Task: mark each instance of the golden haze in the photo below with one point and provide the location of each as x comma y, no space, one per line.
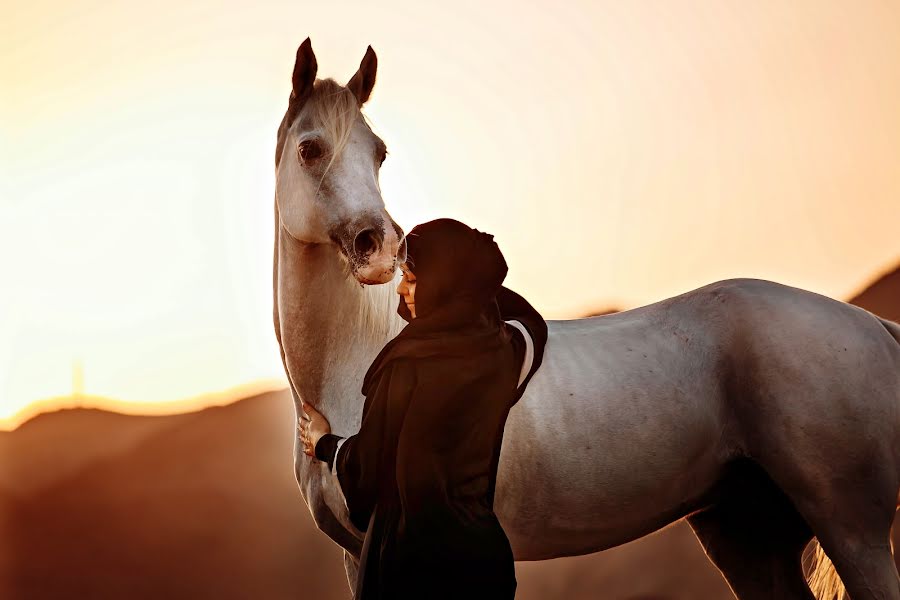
620,153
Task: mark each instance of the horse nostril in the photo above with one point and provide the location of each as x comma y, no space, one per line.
365,242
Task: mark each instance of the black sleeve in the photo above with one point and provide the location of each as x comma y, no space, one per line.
512,304
326,447
515,307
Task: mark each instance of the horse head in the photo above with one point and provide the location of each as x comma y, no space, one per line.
327,163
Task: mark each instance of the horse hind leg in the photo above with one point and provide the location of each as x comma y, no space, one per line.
849,498
755,536
855,535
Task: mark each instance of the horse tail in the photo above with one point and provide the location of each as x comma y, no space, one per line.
823,578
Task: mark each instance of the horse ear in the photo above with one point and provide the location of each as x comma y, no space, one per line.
305,68
363,81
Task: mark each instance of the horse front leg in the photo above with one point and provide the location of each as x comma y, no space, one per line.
321,492
351,566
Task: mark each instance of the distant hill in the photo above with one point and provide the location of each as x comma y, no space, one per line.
201,505
882,297
204,505
600,312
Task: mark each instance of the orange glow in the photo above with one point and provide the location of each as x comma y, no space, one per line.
619,152
169,407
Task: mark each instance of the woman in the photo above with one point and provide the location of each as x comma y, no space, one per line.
419,476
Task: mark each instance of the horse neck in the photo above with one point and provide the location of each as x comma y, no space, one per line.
331,328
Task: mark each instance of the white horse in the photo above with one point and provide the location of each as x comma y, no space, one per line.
763,413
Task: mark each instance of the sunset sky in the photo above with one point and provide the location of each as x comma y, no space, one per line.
620,153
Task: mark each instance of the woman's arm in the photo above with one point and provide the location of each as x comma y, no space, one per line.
359,461
327,447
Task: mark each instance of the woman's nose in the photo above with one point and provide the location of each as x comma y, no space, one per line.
400,287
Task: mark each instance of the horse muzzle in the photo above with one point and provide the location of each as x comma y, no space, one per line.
373,248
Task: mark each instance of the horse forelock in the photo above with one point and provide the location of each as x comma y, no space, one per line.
330,108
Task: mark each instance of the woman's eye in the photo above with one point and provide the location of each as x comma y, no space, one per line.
309,151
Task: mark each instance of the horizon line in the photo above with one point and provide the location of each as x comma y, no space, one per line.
184,405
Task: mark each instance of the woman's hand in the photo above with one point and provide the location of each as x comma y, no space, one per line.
312,425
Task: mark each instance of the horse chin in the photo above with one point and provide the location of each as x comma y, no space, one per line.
375,274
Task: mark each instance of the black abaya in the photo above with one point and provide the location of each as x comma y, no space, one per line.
419,476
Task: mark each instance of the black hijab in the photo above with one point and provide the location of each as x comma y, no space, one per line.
459,271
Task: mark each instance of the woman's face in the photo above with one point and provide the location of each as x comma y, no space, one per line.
407,289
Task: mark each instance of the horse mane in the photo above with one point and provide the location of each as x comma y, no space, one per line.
377,317
335,109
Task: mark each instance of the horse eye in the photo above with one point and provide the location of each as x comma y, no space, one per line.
309,151
384,154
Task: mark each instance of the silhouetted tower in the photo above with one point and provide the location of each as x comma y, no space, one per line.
77,379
